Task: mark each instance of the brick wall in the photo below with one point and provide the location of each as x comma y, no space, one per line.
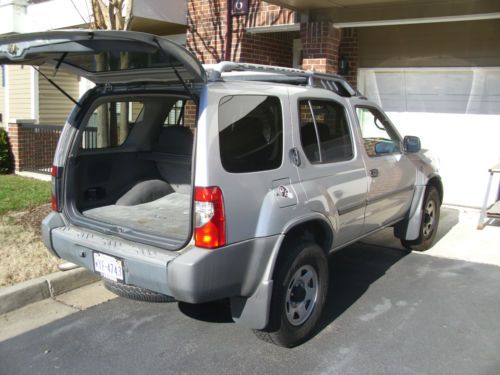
320,46
190,114
349,48
206,35
33,146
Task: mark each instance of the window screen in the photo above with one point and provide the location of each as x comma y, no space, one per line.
324,131
250,133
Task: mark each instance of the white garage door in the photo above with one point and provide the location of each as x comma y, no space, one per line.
455,112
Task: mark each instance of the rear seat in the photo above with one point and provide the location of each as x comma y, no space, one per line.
172,155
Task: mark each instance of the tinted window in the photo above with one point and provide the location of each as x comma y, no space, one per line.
324,131
250,133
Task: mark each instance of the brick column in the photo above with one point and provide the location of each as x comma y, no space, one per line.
320,46
349,50
14,130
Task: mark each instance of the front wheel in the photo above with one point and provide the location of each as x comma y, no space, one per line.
299,293
429,223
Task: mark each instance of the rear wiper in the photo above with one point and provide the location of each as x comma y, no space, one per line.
56,85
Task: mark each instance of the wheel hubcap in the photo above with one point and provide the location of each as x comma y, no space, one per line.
429,218
301,295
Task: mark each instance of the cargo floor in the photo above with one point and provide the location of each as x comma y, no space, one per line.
168,216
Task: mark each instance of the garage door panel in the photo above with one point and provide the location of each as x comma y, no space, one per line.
473,92
455,111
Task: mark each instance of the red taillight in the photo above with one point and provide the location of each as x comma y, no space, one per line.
54,203
210,222
56,180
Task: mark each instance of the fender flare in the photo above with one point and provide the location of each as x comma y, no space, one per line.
253,311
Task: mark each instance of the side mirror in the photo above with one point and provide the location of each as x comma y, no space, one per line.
411,143
385,147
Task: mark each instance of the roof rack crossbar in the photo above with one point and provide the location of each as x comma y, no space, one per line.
332,82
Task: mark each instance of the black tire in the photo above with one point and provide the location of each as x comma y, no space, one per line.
429,223
136,293
301,263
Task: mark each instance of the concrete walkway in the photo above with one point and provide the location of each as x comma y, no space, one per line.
457,237
41,313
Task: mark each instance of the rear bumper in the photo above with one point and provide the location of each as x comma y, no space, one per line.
192,275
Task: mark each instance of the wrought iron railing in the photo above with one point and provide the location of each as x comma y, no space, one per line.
40,142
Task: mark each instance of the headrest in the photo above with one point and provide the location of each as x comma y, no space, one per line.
175,140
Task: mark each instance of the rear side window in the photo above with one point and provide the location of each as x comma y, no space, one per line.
324,131
110,124
250,133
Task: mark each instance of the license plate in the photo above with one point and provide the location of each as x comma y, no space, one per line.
108,267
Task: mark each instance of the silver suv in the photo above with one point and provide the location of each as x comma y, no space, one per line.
231,182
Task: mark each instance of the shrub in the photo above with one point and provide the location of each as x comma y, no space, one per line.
5,153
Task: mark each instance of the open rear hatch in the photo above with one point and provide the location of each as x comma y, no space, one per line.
138,186
104,56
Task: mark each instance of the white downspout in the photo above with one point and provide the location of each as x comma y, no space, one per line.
6,118
35,96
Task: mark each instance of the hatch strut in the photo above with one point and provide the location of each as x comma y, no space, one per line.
57,87
193,97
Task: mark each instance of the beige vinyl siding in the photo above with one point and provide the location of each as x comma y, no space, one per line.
451,44
136,110
53,106
20,92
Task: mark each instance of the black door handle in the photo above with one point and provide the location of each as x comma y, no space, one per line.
374,172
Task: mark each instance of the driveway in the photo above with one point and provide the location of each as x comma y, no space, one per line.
388,312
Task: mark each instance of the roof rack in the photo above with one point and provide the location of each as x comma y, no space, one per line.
278,74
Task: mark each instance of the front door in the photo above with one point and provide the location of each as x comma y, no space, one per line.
391,174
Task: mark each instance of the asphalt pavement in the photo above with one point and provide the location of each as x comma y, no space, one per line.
388,312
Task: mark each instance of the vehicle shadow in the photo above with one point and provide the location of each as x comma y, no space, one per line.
449,217
352,271
211,312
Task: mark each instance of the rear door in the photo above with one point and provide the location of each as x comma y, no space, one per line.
331,171
104,56
391,174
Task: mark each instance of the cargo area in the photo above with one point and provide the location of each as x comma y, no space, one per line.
132,167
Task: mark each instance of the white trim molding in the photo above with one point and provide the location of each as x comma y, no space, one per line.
423,20
273,29
35,96
6,99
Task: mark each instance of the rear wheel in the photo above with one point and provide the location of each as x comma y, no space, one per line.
299,293
429,224
136,293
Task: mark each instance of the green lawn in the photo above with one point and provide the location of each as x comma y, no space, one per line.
17,193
